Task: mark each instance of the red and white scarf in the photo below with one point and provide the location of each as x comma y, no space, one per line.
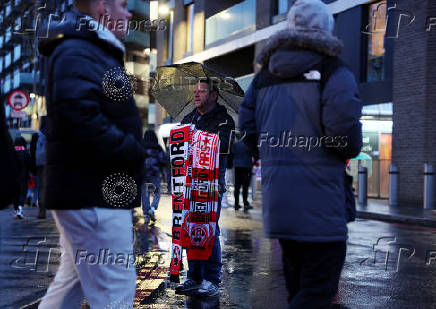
194,156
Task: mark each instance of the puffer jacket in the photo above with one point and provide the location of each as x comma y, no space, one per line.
94,135
286,111
155,160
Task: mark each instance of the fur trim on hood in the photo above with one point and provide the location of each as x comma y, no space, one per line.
314,40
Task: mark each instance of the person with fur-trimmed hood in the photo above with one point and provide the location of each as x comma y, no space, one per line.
302,112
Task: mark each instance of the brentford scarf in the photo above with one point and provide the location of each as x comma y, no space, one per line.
194,156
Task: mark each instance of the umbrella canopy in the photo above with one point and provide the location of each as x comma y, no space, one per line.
173,88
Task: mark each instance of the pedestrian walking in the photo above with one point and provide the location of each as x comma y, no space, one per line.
155,160
243,162
228,179
33,192
204,277
9,165
302,111
39,164
94,156
24,158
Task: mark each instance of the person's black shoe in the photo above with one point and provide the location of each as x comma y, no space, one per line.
188,287
248,207
41,214
237,207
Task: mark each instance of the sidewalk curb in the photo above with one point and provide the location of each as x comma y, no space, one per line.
409,220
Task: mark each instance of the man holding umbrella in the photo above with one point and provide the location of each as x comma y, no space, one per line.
204,276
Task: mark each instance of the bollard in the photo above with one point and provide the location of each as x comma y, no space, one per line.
428,187
393,185
363,185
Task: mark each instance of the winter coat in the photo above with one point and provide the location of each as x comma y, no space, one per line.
155,159
285,112
241,155
25,162
40,150
93,132
216,121
9,165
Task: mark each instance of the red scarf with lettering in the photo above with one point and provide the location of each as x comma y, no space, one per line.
194,156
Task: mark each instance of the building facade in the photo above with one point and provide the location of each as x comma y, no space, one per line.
22,68
388,46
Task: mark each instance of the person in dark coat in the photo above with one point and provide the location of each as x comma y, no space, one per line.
204,276
243,163
40,163
9,165
33,192
155,159
23,156
94,155
304,118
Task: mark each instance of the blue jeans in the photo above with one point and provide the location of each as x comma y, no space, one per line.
146,190
210,269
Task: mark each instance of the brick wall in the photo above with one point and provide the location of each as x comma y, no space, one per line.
414,114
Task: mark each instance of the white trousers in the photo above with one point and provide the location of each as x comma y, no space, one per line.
96,261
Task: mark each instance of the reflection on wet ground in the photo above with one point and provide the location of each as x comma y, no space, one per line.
377,272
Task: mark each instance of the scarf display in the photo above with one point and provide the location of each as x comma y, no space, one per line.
194,156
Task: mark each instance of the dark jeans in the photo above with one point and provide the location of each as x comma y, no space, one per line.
20,199
312,272
210,269
242,178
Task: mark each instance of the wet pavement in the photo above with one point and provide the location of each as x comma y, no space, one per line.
388,265
381,210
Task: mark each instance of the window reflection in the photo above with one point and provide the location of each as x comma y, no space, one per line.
376,41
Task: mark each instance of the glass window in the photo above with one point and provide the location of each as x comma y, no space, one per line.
189,15
16,79
7,84
377,23
8,9
8,60
281,7
228,22
17,52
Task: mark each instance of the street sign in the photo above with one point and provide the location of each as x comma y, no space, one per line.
17,114
18,100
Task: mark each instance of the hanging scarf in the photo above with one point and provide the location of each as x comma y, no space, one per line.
194,159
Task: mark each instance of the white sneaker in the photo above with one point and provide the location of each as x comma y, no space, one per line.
19,212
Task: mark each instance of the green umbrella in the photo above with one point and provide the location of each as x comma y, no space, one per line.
173,88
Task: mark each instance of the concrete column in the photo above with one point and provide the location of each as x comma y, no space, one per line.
179,41
199,25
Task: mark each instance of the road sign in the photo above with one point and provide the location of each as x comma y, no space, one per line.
18,100
17,114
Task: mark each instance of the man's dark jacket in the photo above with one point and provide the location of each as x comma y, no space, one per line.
91,136
216,121
10,168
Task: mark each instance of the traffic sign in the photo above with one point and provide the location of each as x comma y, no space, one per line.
18,100
17,114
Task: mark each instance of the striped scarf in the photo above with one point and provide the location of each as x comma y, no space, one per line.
194,156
